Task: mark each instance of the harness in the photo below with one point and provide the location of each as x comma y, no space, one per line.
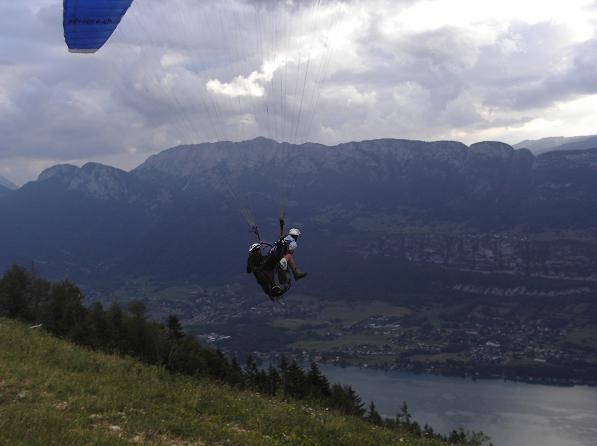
280,249
266,265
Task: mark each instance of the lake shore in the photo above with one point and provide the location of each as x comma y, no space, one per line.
511,413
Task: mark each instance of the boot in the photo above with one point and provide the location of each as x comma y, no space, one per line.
298,275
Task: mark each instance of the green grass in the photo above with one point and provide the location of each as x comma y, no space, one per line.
350,340
351,312
154,291
391,224
585,336
333,317
55,393
295,324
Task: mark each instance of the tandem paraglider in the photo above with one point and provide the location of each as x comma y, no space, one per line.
284,61
273,264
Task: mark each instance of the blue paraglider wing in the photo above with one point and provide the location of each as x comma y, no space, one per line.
88,24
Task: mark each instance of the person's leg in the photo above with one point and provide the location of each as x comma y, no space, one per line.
292,265
290,261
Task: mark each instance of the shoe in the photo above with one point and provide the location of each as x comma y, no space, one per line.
299,275
276,290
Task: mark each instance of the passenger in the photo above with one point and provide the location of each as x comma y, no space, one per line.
291,242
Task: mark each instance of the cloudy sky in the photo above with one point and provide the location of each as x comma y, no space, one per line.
184,71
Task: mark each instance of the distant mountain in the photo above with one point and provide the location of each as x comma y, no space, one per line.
551,144
7,183
437,179
4,190
377,216
95,181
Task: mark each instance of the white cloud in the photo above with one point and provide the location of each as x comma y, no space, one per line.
252,85
170,60
184,71
412,95
349,96
474,15
5,102
568,118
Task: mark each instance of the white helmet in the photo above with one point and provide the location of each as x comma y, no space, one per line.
294,231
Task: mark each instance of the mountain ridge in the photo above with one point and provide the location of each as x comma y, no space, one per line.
558,143
428,203
6,183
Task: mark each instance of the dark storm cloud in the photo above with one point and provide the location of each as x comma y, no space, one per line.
526,67
295,4
577,78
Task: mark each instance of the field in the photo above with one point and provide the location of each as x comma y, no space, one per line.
54,393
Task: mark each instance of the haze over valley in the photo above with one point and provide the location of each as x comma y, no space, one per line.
443,257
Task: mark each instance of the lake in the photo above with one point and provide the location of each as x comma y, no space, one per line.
512,413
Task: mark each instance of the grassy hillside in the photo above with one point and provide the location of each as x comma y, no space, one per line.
55,393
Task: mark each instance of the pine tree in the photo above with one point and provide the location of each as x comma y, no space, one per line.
274,380
261,382
187,357
373,415
67,311
355,401
99,330
318,384
40,295
235,375
428,431
404,417
137,333
345,399
283,368
250,372
15,294
283,365
174,328
295,383
137,308
116,324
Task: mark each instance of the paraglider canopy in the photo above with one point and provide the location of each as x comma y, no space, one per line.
88,24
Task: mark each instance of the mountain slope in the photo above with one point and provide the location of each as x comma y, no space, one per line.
4,190
556,143
5,182
371,209
54,393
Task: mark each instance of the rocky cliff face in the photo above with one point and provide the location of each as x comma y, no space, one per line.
426,178
95,181
551,257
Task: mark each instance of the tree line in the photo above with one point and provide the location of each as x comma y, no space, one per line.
59,308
